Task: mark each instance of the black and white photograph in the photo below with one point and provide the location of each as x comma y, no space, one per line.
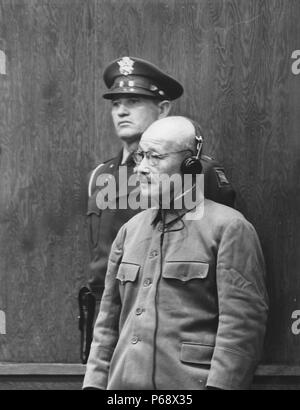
149,197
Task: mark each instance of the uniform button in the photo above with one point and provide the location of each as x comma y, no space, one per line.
147,282
139,311
153,254
134,340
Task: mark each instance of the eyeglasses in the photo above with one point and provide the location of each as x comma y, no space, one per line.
152,157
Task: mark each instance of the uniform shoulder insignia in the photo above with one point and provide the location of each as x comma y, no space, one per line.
216,185
207,158
222,179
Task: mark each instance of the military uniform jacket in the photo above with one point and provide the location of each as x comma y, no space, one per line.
103,225
184,307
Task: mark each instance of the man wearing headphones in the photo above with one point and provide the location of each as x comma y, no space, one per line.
185,302
140,93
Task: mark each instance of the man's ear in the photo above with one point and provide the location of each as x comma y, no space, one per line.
164,108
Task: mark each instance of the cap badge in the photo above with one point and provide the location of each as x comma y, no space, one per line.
126,66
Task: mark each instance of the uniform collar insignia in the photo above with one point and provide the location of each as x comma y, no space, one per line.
126,66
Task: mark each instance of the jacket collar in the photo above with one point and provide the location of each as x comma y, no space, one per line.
171,215
129,162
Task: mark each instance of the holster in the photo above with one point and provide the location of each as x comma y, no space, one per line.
87,304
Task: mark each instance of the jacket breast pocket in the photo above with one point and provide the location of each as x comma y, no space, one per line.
128,273
185,271
93,222
196,353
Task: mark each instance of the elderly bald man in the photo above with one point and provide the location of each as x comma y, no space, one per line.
185,303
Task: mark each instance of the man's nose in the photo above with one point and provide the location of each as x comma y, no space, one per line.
143,167
122,110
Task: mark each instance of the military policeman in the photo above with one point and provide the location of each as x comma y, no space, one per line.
140,93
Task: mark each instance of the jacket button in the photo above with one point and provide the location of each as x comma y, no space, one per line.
134,340
139,311
153,254
147,282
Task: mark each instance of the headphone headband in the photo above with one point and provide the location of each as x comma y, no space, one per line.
199,140
192,165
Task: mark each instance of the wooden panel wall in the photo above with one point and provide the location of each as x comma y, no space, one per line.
234,59
46,127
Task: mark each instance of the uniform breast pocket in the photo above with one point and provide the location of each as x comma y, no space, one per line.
93,222
185,271
128,273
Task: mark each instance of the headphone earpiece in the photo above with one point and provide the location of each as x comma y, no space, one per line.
192,165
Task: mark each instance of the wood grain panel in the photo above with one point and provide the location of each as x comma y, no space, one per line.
234,60
57,376
41,383
49,118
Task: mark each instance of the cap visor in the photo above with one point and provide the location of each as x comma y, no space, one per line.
132,91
